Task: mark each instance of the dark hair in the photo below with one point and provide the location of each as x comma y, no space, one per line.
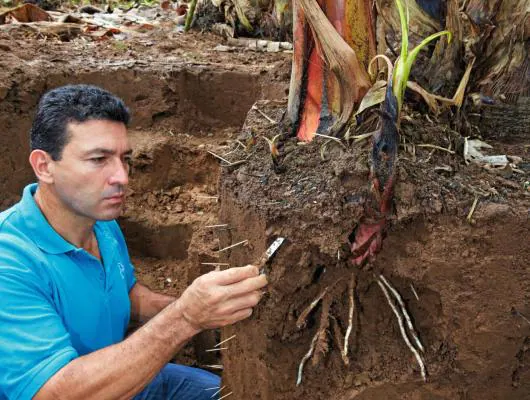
71,103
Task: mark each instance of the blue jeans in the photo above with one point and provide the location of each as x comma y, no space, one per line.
183,383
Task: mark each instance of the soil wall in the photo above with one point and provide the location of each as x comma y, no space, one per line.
194,99
471,279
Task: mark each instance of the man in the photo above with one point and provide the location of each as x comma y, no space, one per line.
67,286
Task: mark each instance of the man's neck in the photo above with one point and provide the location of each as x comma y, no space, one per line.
74,228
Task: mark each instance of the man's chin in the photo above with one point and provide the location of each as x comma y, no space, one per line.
109,215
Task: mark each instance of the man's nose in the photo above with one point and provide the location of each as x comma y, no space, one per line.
120,174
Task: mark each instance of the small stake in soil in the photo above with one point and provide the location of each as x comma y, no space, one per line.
216,349
219,157
232,246
224,341
470,215
255,108
234,164
433,146
216,226
214,366
218,391
226,162
216,264
216,198
225,396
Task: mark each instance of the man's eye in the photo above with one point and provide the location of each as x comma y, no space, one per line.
97,160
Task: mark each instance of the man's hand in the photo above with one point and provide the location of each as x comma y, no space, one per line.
222,298
212,300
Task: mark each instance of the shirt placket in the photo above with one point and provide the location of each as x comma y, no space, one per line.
93,267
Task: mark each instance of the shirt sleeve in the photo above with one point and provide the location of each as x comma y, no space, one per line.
34,343
129,268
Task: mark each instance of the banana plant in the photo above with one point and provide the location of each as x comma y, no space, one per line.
333,42
405,60
372,228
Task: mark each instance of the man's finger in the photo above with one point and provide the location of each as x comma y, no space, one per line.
238,316
248,300
234,275
247,285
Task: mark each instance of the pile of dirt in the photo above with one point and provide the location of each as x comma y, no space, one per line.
465,283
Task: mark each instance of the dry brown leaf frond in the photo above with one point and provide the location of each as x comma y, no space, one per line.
25,13
297,66
500,44
45,29
458,98
432,100
429,98
341,59
389,65
374,96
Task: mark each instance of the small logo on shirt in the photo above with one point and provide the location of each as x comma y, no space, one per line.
122,270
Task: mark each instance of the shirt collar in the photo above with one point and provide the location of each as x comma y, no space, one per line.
39,228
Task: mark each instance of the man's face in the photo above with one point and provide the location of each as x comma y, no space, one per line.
92,175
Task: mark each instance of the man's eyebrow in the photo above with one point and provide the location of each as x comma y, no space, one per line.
102,150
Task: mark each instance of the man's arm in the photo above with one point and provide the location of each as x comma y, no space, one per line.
123,370
145,304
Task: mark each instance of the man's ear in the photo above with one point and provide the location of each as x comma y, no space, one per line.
42,165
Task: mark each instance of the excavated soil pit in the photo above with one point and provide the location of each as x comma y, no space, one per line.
179,111
471,279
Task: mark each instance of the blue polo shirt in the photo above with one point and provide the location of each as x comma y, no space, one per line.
57,302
